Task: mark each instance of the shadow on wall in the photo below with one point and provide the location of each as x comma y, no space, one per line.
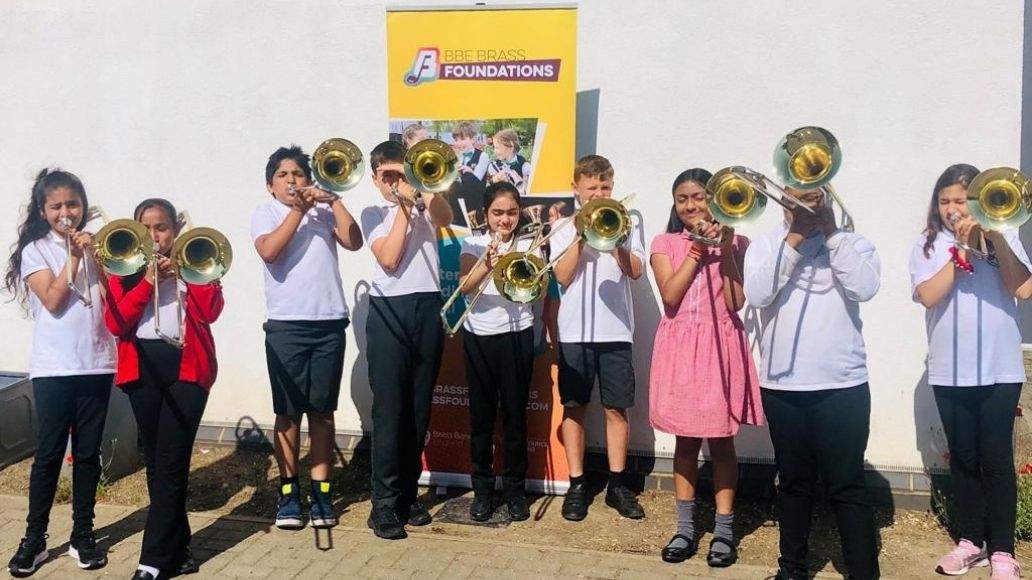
587,123
361,394
1025,306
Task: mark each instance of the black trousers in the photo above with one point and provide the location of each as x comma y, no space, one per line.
78,403
823,434
167,412
979,426
405,341
498,369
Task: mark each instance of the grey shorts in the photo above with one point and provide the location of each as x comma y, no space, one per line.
581,363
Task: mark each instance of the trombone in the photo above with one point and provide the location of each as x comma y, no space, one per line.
999,199
806,158
66,223
199,256
516,275
337,166
431,166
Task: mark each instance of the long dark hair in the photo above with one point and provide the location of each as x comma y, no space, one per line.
36,226
958,174
696,174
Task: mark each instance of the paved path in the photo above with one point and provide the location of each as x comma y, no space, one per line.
236,547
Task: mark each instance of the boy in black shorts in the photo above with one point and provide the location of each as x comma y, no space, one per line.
596,327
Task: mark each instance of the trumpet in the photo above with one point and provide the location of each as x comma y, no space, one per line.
66,223
199,256
516,275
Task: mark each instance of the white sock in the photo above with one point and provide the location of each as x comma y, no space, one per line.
150,569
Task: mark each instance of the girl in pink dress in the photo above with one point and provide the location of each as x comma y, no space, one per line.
703,383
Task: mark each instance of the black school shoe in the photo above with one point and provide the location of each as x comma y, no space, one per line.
85,552
385,524
188,565
575,504
624,501
722,559
675,555
517,506
32,552
417,515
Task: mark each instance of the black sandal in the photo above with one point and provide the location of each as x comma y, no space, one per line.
721,559
676,555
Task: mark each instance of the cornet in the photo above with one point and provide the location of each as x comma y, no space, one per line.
66,223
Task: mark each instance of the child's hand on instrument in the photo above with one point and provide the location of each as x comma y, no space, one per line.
82,243
165,269
967,231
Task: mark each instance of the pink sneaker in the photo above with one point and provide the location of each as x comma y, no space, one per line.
1005,567
963,558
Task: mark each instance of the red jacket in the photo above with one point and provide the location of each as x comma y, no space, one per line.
123,310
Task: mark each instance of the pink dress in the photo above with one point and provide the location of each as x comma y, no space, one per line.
703,381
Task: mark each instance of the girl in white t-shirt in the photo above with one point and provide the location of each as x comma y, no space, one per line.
498,338
974,366
72,363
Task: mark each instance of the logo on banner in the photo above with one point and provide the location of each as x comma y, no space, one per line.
428,67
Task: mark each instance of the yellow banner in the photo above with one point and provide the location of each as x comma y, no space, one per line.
499,86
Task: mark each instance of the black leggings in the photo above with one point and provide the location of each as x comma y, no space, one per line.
823,435
498,369
78,403
168,412
979,425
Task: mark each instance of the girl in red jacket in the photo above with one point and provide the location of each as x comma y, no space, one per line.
167,385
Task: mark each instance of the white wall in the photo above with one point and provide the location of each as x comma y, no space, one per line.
187,99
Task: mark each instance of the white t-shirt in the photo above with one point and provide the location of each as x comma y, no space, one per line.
169,317
304,281
809,302
74,341
418,270
597,306
493,314
973,335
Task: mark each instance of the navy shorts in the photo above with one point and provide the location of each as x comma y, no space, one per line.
611,363
306,362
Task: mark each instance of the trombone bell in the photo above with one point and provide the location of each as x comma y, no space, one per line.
807,158
337,165
517,277
732,199
604,223
124,247
431,166
202,255
1000,198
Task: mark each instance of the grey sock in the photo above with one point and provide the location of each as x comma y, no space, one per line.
685,522
722,524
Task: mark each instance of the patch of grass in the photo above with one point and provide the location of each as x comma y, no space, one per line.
1023,524
64,490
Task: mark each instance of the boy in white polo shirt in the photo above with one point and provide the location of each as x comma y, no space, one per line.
405,337
596,328
296,234
808,278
